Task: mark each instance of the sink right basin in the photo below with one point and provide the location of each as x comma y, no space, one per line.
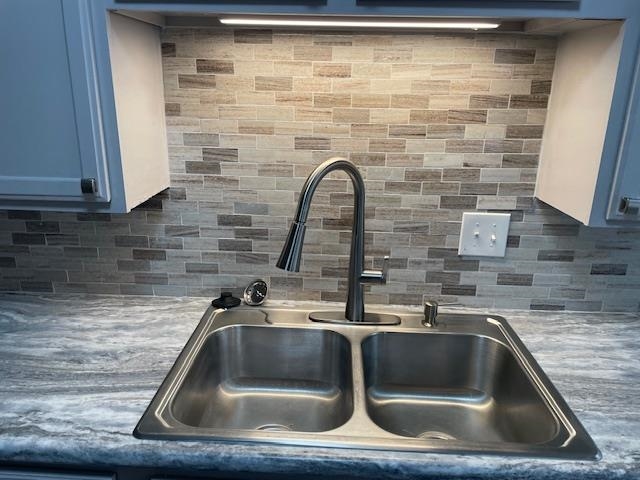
448,387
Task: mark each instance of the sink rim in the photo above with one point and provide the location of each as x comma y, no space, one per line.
157,421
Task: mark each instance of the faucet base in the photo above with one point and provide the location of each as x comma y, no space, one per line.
369,318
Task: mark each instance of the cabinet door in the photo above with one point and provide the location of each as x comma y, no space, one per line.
624,203
50,131
9,474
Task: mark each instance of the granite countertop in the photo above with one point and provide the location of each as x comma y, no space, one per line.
77,372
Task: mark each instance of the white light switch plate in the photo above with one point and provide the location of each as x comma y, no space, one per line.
484,234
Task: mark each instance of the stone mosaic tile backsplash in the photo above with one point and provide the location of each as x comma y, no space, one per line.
437,124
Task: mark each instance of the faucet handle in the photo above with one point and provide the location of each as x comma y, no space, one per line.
377,276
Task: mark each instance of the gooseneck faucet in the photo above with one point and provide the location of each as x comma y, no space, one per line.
292,251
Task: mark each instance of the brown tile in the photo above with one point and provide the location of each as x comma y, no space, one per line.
214,66
331,100
503,146
201,139
220,154
461,202
268,83
409,101
428,116
203,168
312,143
368,159
541,87
489,101
253,36
294,98
370,100
423,175
409,188
369,130
520,161
407,131
464,146
387,145
524,131
467,116
516,189
461,175
529,101
515,56
168,49
333,70
196,81
255,127
172,109
445,131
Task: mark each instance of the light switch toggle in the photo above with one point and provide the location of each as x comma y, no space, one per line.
484,234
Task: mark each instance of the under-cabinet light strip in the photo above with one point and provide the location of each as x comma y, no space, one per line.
280,22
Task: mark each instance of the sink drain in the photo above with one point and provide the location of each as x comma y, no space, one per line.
273,427
435,435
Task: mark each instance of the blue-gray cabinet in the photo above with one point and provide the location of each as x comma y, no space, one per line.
63,144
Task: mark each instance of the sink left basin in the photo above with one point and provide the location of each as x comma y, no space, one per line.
270,379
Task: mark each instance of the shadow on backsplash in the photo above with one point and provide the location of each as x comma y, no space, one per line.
437,124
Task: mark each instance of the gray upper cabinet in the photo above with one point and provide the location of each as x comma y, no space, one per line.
61,147
46,126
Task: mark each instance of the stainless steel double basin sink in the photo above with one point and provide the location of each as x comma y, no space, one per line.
467,385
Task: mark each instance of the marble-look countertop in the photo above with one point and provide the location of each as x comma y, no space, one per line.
77,372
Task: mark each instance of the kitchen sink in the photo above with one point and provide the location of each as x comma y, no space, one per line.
465,385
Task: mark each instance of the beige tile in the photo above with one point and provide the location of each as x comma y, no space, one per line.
485,131
510,87
237,141
410,70
448,101
451,71
395,85
196,81
474,55
537,116
392,55
350,144
316,85
482,160
332,130
313,53
216,97
433,55
274,141
389,115
433,87
255,98
275,113
237,112
293,68
293,128
350,85
352,54
507,117
425,146
273,52
371,70
461,87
